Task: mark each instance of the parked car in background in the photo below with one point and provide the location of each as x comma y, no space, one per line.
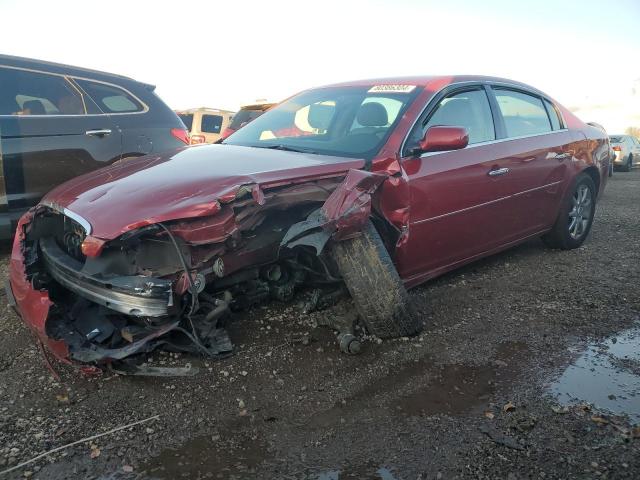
58,122
375,185
205,125
246,114
627,151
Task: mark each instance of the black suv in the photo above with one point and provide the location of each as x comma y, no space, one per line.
57,122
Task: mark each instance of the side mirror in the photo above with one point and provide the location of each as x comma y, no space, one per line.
443,138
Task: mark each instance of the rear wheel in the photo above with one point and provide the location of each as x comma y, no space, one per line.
576,216
375,286
629,165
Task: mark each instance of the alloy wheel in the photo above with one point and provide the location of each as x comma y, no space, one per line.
580,213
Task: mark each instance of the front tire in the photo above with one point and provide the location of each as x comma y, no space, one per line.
576,216
375,286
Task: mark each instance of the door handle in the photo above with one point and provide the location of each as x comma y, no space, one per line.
497,172
98,133
562,156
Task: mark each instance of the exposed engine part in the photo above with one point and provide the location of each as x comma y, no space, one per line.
349,343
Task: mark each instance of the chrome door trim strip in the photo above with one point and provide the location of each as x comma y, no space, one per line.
524,192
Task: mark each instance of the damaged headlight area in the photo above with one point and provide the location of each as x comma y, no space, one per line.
173,284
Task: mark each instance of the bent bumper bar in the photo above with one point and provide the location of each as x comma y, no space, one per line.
132,295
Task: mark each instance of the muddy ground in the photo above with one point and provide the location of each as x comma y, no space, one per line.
469,398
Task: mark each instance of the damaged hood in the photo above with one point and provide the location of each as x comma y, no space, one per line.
186,183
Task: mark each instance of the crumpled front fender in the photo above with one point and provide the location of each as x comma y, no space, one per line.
343,215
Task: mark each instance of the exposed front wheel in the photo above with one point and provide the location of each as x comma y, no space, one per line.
576,216
375,286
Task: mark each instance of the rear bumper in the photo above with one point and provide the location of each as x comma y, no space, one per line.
132,295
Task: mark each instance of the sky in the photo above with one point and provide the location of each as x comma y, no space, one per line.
221,54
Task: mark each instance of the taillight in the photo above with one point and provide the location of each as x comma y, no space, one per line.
227,131
181,134
617,149
195,139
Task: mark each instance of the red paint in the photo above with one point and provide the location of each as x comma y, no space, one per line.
186,183
32,305
445,208
348,207
442,139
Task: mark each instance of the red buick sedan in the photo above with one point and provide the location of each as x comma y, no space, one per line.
375,185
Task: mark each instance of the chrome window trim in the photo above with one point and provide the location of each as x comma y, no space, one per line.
482,83
500,140
68,79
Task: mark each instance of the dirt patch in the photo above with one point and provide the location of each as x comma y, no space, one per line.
468,398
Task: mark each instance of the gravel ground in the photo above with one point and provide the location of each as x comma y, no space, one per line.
469,398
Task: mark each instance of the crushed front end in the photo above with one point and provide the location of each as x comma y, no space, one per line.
171,284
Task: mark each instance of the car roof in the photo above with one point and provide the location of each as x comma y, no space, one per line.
434,81
60,68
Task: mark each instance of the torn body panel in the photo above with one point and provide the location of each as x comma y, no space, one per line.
170,284
342,216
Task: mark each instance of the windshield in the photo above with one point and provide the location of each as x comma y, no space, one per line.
338,121
243,117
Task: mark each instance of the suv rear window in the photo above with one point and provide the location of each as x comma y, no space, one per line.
187,119
211,123
109,98
244,116
616,139
32,93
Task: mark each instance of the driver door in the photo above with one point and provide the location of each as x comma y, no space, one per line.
458,198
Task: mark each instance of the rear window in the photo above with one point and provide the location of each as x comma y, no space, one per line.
244,116
31,93
111,99
616,139
211,123
187,119
523,114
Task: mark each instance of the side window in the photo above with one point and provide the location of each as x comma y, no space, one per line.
523,114
109,98
469,109
211,123
31,93
553,115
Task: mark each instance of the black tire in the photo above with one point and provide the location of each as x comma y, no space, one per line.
375,286
629,165
560,235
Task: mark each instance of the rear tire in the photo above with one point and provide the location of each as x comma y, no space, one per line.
629,165
375,286
575,217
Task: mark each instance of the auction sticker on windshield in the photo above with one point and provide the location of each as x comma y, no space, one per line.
392,88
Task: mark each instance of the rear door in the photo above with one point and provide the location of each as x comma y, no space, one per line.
537,151
51,132
138,127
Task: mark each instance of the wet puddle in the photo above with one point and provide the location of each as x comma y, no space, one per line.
606,375
202,458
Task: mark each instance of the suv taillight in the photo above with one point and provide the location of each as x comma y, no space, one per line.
196,139
617,149
181,134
